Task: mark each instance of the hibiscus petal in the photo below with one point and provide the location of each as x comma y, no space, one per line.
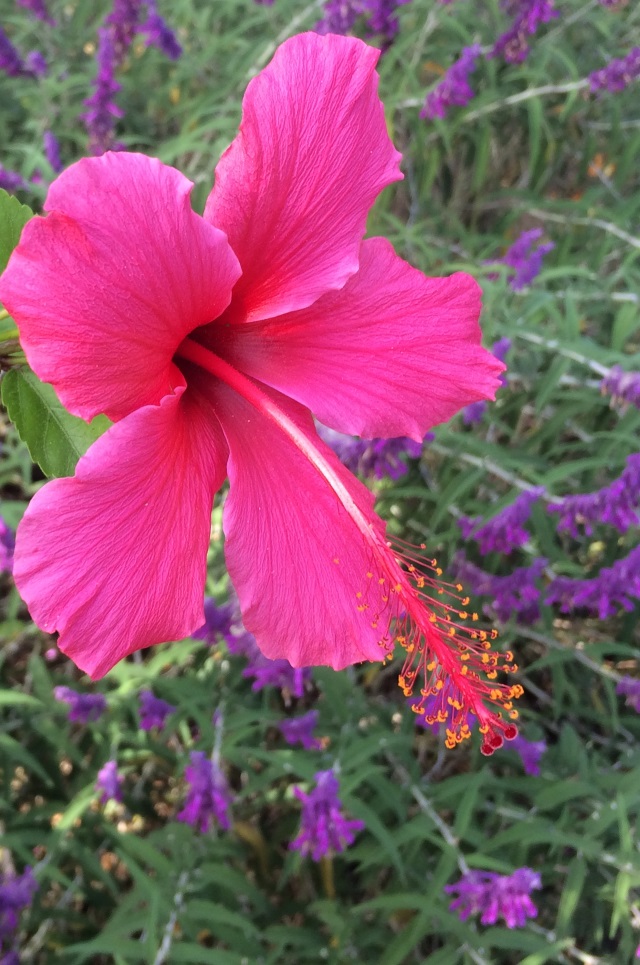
105,288
296,559
293,190
391,354
115,557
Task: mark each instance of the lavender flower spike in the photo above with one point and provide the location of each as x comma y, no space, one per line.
7,540
299,730
528,15
82,707
10,60
453,90
208,799
16,893
505,531
623,387
629,687
159,34
530,753
153,711
614,586
52,151
100,118
525,258
495,896
618,73
617,504
39,10
324,830
515,595
373,458
109,783
474,412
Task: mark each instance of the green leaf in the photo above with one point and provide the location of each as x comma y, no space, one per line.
55,438
13,218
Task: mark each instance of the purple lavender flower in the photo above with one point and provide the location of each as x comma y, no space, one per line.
277,673
208,799
83,708
525,258
618,73
505,531
623,387
7,545
495,896
530,753
109,783
11,180
35,64
10,60
373,458
454,89
159,34
629,687
617,504
474,412
299,730
614,586
528,15
218,622
100,118
513,596
153,711
52,151
16,893
39,10
122,24
323,828
340,16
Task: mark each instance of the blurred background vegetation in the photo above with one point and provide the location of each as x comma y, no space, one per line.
124,882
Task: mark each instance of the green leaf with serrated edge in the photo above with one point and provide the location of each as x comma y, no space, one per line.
13,218
55,438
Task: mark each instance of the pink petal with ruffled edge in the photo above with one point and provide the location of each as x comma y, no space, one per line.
294,555
115,557
391,354
293,190
105,288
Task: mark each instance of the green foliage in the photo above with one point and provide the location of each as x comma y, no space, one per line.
125,882
55,438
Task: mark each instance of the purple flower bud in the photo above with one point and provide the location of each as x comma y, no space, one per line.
153,711
373,458
474,412
10,59
525,258
36,64
159,34
208,798
323,828
16,893
623,387
109,783
495,896
528,15
82,707
505,531
7,539
52,151
618,73
218,622
629,687
530,753
39,10
299,730
454,89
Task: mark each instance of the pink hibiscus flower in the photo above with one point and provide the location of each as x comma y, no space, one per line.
209,341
